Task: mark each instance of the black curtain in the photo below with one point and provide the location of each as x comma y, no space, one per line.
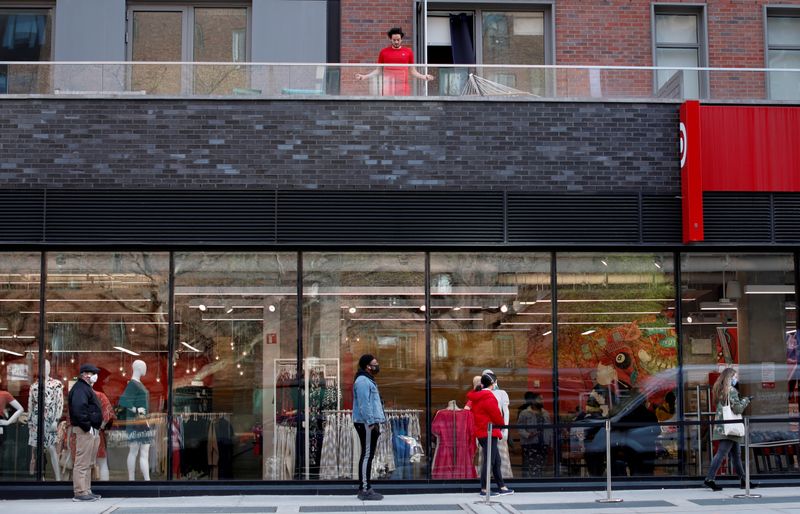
462,39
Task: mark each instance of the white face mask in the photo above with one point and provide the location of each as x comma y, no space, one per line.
93,379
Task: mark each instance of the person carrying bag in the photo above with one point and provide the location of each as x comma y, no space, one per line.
729,435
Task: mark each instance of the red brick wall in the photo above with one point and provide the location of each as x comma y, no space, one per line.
365,22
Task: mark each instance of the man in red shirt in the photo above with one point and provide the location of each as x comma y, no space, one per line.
395,79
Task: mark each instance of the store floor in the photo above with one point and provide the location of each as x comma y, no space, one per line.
774,499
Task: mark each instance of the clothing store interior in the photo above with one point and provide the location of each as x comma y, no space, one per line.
260,365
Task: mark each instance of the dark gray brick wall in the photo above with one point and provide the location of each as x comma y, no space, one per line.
339,144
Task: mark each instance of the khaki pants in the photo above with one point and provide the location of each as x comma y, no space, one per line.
86,446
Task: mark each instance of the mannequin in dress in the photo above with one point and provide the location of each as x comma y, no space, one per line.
53,410
6,401
136,401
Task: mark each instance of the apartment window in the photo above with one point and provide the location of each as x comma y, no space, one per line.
679,43
783,51
188,34
25,35
490,35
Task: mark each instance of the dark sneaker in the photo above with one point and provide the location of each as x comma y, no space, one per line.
753,484
505,492
712,485
483,494
85,498
369,495
95,495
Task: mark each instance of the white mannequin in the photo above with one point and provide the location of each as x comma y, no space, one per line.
143,450
13,419
52,427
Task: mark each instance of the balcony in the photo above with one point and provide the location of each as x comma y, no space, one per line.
257,80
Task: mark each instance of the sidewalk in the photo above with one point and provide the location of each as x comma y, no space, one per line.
774,499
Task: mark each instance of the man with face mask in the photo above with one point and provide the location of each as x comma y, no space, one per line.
367,416
85,416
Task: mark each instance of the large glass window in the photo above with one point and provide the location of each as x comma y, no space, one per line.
111,310
25,35
679,43
356,304
186,34
739,311
489,36
235,389
492,311
19,349
616,349
783,51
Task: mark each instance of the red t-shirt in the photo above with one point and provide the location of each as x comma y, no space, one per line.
395,80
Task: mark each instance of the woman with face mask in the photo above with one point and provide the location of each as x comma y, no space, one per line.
728,445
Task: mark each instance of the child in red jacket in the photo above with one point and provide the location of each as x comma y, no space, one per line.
485,410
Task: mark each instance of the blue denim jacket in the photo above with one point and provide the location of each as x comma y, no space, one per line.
367,405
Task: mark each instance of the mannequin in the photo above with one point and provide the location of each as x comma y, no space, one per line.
53,410
136,401
6,401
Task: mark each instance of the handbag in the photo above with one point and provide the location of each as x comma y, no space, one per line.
731,429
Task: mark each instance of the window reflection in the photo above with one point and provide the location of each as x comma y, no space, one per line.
492,311
19,348
235,366
616,349
110,309
356,304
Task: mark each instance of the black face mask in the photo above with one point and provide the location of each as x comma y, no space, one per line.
375,369
538,405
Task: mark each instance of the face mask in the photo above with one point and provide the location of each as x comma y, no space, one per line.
375,369
93,379
538,405
734,381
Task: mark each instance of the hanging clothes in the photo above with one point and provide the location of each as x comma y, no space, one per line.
455,444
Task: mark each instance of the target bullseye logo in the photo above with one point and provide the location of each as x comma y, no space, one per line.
684,143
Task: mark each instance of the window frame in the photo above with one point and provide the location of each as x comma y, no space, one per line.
187,10
698,10
776,11
478,7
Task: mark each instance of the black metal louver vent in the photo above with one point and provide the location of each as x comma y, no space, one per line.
787,217
661,219
737,217
573,218
389,217
160,216
21,215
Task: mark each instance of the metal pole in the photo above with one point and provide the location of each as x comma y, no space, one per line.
487,485
608,498
699,433
747,493
425,41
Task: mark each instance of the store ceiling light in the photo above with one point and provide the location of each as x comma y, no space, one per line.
202,307
604,262
228,309
125,350
547,333
586,333
192,348
3,350
271,308
769,289
718,306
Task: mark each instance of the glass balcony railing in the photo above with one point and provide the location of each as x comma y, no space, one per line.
360,80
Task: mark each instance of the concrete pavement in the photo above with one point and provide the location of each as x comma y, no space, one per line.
678,501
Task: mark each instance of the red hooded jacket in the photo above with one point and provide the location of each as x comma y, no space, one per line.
485,410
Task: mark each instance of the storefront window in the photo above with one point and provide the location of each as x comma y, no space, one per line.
235,389
492,311
19,348
111,310
739,311
617,352
355,304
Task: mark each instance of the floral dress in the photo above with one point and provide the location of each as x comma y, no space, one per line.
53,410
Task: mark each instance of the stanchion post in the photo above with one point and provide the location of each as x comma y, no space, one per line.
747,493
608,498
487,464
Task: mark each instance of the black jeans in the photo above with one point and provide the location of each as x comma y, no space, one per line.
496,464
369,443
